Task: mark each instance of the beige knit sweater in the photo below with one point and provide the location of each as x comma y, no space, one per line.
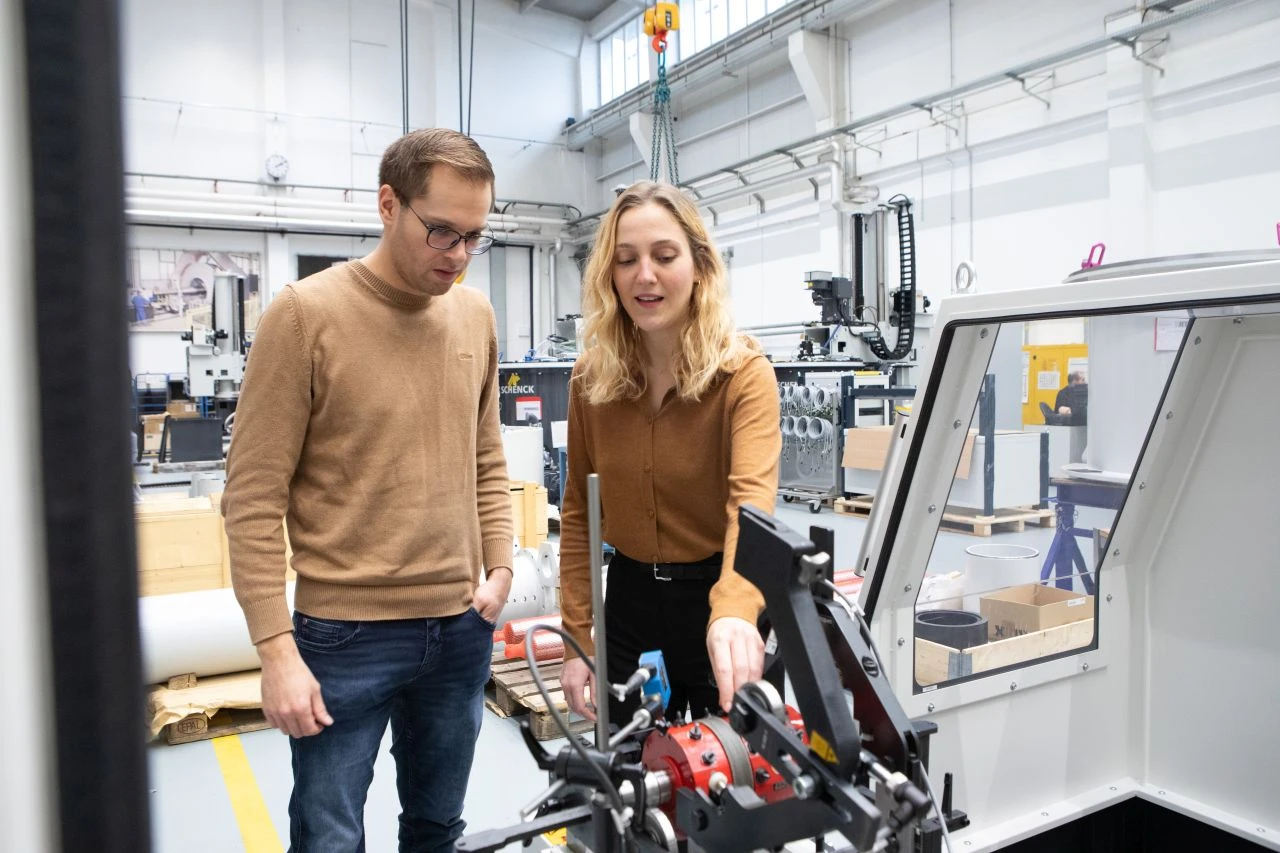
369,419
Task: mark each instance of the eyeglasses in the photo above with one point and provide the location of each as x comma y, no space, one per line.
443,239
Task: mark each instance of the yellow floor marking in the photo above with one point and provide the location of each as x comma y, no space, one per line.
246,800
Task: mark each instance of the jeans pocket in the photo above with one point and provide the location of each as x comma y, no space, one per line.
323,635
491,626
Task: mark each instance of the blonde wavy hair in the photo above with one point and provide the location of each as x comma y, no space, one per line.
612,363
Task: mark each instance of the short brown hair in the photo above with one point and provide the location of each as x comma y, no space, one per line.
406,164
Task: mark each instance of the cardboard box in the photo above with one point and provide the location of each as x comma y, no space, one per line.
183,409
152,430
1032,607
866,448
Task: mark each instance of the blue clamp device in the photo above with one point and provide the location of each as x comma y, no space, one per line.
658,683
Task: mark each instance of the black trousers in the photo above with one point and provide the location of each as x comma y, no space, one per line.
642,614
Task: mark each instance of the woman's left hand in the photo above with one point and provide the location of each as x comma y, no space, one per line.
737,655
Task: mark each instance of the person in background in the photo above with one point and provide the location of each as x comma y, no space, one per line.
678,413
1073,400
141,306
368,419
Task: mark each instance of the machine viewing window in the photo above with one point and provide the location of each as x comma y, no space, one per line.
1061,420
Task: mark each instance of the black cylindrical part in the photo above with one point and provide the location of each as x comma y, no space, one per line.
958,629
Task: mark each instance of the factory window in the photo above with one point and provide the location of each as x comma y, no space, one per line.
1061,421
627,59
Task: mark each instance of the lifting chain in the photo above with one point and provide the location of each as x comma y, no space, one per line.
658,23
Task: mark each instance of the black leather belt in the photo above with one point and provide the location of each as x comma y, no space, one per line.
700,570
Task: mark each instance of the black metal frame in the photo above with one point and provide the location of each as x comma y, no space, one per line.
77,156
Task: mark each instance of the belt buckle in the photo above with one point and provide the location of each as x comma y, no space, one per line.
659,577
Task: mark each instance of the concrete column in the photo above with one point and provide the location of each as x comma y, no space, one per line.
641,125
278,268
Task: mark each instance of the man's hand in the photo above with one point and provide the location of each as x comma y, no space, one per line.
491,596
291,699
575,678
737,655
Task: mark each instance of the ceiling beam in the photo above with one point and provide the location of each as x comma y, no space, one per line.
613,17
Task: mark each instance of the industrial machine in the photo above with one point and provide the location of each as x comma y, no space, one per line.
856,314
1152,729
769,774
815,415
216,355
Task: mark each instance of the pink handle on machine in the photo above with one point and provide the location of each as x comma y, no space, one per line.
1101,249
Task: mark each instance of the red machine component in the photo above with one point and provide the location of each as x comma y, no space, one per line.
695,754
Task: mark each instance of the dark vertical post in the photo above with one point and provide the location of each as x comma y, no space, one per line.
77,156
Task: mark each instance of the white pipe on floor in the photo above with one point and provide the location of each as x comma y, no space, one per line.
196,632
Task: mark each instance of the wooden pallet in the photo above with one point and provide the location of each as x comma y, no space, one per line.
228,721
964,519
213,707
515,693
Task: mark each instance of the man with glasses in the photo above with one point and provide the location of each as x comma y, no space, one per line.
368,421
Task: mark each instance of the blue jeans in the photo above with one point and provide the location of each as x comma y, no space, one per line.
426,677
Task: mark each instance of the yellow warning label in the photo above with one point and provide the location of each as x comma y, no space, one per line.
820,746
556,836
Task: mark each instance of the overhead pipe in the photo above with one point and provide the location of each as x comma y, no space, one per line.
299,210
142,216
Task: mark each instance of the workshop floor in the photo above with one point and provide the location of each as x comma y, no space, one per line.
232,794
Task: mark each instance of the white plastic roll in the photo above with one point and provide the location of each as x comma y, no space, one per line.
196,632
788,425
991,567
806,395
818,428
820,397
523,448
801,426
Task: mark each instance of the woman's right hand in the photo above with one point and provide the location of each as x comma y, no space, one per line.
576,678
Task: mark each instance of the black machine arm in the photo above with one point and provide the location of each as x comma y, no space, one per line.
861,774
783,565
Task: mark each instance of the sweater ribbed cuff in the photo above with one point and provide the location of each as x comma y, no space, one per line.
497,554
267,618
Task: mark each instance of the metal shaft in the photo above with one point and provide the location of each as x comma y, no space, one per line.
600,695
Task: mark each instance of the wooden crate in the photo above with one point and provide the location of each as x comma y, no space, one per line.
529,513
937,663
964,520
515,693
180,546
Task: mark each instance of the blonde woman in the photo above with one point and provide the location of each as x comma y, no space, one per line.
678,414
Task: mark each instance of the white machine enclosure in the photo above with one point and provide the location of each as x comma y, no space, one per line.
1178,700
